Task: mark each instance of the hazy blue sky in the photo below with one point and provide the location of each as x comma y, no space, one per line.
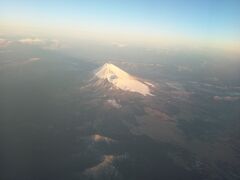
200,19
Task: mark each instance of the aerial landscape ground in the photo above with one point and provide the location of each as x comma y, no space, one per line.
113,91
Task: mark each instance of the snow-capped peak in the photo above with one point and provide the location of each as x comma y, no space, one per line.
122,80
110,72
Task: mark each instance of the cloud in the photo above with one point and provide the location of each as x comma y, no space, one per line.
31,41
49,44
34,59
119,45
103,166
98,138
114,103
226,98
4,43
184,69
52,45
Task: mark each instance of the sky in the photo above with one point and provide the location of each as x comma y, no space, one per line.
215,22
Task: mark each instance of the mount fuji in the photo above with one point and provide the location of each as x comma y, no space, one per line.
113,77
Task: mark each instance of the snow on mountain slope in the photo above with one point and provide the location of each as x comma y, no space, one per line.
122,80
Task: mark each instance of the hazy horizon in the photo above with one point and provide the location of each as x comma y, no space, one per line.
208,25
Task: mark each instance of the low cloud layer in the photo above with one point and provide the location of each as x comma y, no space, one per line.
34,59
98,138
105,167
226,98
31,41
4,43
114,103
49,44
119,45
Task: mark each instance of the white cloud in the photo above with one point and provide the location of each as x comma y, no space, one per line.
120,45
4,43
34,59
184,69
98,138
53,45
31,41
226,98
49,44
114,103
104,167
